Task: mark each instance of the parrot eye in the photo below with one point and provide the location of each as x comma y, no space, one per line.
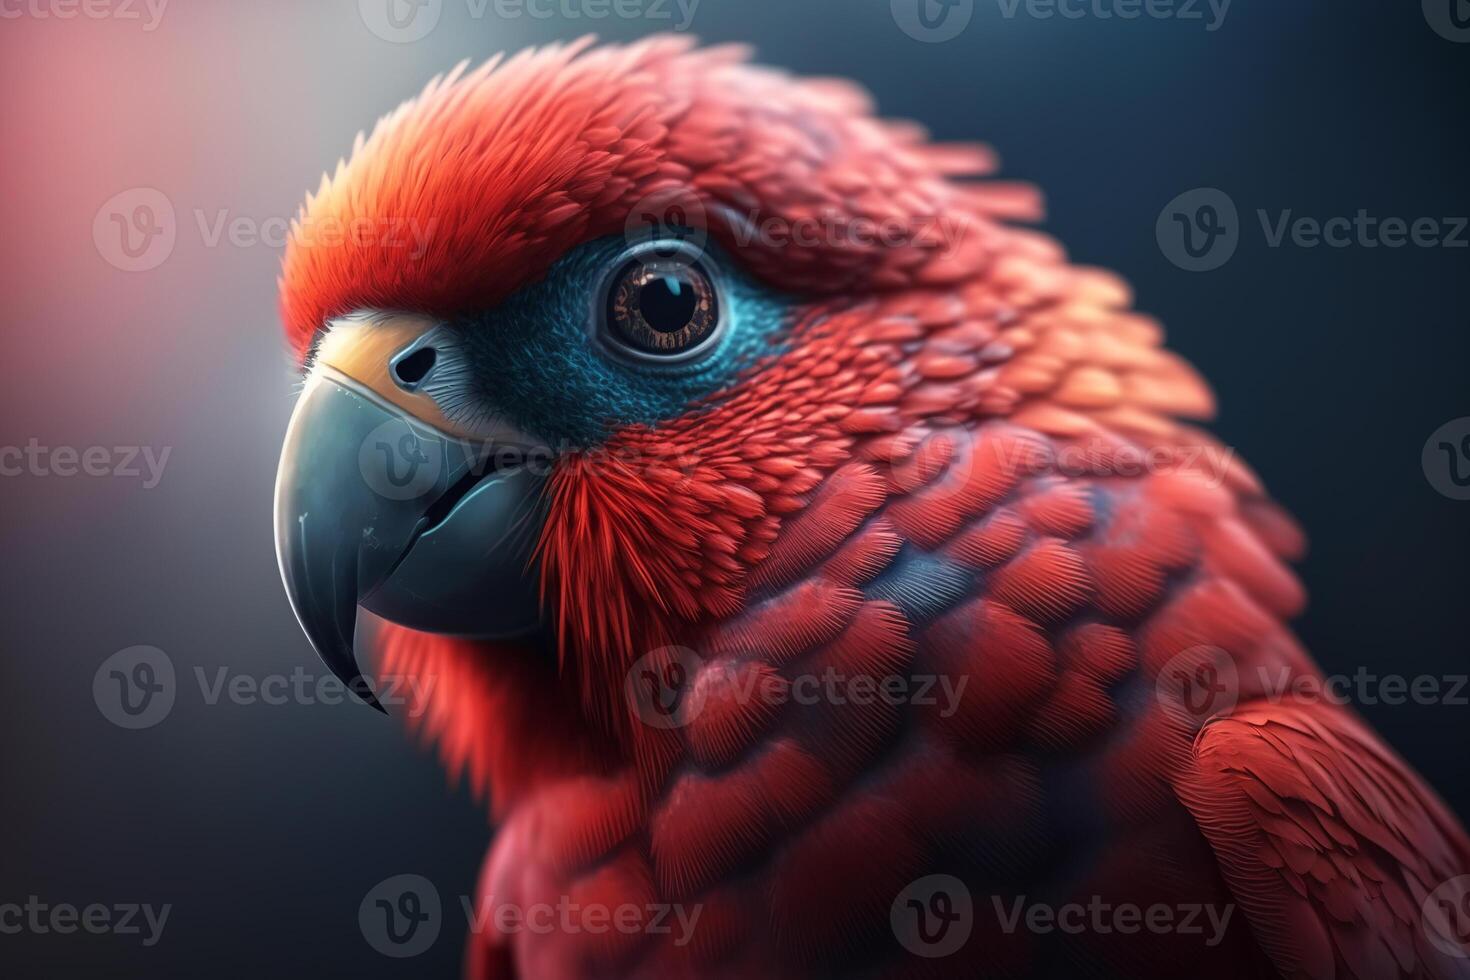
661,304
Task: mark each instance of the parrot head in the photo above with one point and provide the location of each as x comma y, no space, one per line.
604,347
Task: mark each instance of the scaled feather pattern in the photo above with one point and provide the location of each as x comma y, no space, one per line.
935,473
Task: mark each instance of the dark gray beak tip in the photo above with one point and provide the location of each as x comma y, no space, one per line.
372,700
448,556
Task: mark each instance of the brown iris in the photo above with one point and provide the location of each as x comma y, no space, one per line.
662,306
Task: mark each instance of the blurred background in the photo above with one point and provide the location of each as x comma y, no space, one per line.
152,154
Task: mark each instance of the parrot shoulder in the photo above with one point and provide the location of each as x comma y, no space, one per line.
1332,846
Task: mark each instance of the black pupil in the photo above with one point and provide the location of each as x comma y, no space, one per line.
667,303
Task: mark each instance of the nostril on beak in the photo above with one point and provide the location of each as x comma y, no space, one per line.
411,368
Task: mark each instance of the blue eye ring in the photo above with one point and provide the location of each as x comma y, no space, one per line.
619,324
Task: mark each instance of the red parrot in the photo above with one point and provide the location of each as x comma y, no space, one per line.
782,524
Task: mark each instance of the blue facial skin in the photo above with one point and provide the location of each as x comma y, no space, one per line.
542,361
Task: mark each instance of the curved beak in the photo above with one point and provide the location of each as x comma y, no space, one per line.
375,507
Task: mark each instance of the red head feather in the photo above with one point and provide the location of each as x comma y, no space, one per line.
475,188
